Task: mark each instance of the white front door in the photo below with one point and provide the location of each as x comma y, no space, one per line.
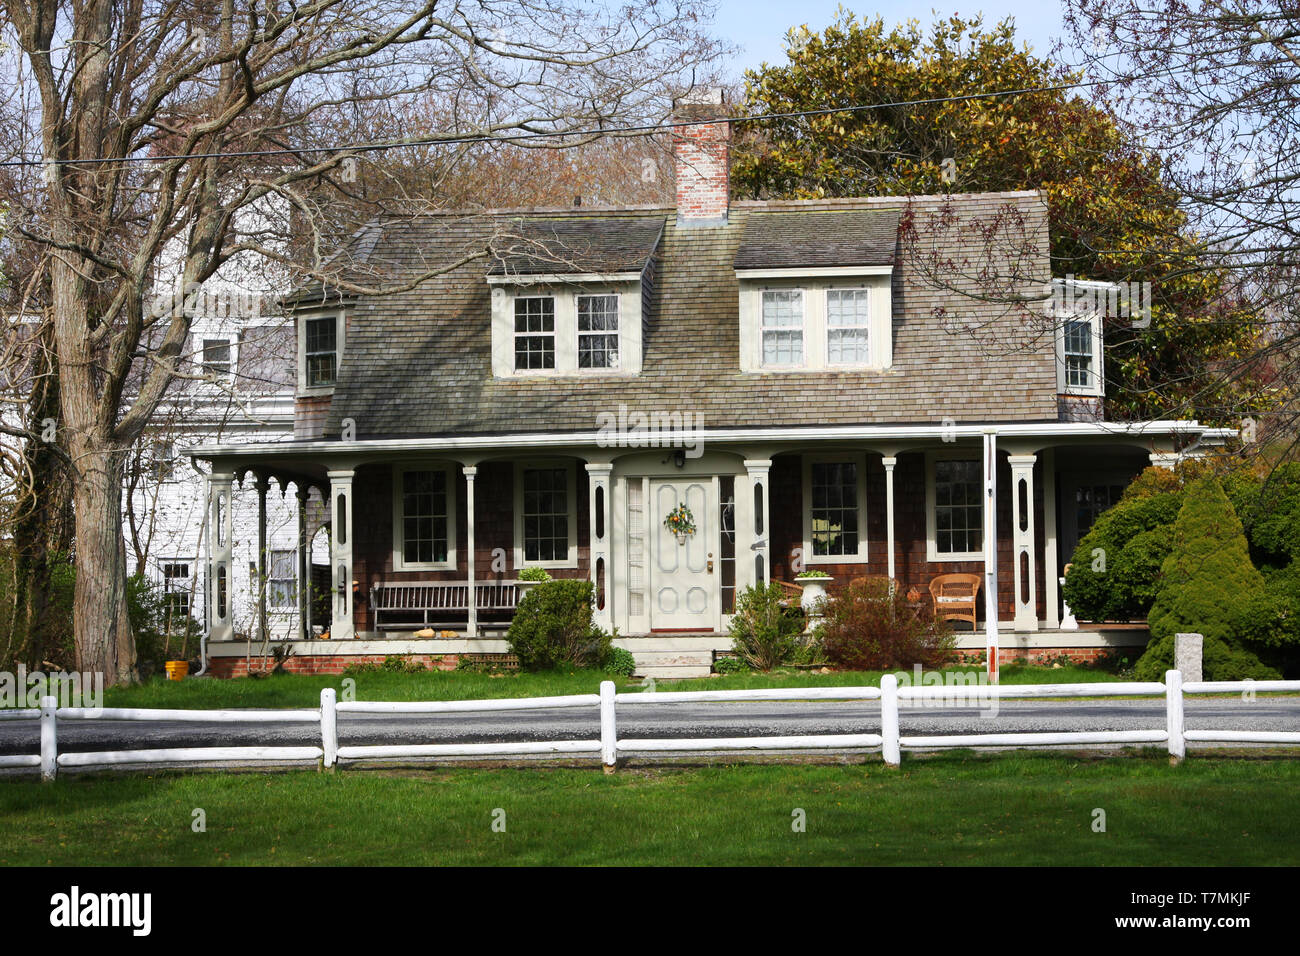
683,580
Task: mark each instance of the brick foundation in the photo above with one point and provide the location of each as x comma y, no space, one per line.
321,663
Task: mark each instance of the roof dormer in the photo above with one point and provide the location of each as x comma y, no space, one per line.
567,296
815,290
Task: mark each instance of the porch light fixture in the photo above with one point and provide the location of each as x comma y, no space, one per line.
679,458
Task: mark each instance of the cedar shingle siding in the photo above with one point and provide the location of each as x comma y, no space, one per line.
419,363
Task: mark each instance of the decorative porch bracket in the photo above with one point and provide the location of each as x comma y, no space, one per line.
341,627
598,521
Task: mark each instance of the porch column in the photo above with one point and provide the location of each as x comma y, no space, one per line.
598,512
1053,615
341,624
991,554
221,528
304,565
262,484
889,461
758,470
471,619
1022,540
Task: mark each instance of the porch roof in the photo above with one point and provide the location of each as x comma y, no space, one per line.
1026,437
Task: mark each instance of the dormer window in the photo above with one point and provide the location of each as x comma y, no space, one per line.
1077,306
783,327
534,333
848,316
1077,349
320,350
597,331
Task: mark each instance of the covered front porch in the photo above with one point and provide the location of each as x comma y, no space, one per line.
415,527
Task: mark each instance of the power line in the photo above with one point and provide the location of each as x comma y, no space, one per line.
555,134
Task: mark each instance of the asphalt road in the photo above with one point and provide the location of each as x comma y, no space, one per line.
723,719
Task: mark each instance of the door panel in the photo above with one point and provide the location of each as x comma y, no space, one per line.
683,586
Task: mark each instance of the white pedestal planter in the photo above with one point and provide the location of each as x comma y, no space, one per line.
814,593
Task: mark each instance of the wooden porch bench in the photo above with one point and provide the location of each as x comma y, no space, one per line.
430,603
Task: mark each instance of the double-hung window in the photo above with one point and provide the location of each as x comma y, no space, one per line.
544,513
425,521
958,512
534,333
216,357
1079,371
282,578
176,591
598,331
847,330
835,518
321,351
783,327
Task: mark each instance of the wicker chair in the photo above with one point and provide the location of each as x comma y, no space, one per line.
955,597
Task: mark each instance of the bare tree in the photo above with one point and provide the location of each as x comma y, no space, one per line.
1211,86
147,123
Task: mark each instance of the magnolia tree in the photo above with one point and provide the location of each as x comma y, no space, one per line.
141,126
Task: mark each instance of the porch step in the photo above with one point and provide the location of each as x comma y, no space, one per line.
675,662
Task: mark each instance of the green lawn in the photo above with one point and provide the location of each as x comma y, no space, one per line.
293,690
954,809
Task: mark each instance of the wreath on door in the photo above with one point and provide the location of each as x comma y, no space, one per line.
680,522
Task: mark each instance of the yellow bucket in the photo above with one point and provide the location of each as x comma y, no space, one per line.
177,670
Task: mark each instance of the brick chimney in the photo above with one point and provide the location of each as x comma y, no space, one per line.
701,158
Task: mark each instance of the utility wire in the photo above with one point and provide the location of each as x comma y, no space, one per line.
556,134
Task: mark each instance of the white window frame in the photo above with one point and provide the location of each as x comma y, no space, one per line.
802,327
932,552
565,291
871,336
399,529
571,503
579,333
270,562
193,589
340,335
229,343
860,461
553,334
1097,387
814,285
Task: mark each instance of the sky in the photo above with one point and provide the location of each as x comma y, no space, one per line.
759,26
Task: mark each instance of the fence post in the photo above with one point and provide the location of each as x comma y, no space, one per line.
889,748
329,727
49,738
608,727
1174,716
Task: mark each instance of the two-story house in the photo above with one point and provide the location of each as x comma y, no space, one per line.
871,386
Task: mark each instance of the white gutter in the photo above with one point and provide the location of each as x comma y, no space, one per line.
668,437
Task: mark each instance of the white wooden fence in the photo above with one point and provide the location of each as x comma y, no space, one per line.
608,746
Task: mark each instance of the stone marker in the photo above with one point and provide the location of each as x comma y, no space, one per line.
1187,655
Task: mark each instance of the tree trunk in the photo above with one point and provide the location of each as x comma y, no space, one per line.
104,640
